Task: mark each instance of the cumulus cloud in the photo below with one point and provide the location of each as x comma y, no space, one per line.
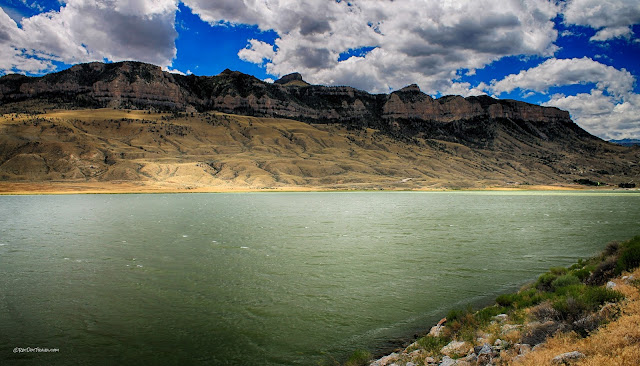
256,52
601,114
14,58
413,40
558,72
90,30
612,19
610,110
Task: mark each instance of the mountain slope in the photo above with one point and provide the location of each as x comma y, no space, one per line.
227,151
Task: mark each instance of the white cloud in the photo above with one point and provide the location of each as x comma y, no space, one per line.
559,72
612,18
90,30
463,89
416,41
601,114
174,71
610,110
13,57
606,34
256,52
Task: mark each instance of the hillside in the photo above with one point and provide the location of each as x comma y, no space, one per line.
215,150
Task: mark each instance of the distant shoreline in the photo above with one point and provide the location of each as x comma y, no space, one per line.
124,187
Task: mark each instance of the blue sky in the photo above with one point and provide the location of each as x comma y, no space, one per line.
578,55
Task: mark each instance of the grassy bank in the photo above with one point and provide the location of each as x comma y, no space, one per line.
566,309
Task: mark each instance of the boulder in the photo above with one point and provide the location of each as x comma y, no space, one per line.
567,358
447,361
485,348
484,359
501,317
455,348
499,344
429,361
471,358
522,348
386,360
436,330
508,328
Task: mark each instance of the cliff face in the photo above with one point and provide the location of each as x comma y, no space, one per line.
407,112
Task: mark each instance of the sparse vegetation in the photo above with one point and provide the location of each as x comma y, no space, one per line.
162,149
359,358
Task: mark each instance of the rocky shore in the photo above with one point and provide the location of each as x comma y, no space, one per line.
587,314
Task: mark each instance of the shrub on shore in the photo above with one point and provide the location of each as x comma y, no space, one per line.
560,299
630,255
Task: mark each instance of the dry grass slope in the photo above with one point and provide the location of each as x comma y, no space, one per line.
615,344
216,151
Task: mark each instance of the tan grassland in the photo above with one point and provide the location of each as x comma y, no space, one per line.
615,344
122,151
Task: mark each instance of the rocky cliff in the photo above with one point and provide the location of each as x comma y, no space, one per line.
404,113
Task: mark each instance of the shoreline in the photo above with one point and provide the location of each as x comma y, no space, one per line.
133,187
588,311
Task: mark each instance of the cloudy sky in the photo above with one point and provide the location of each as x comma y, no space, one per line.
579,55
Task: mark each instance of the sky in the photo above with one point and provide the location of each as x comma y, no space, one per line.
582,56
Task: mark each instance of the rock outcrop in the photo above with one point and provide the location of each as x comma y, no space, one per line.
405,113
294,79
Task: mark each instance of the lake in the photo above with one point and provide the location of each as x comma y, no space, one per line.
273,278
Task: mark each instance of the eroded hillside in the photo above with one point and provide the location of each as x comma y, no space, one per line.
216,150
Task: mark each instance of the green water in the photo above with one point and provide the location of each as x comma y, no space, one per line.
272,278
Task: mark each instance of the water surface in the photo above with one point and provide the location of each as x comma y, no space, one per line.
272,278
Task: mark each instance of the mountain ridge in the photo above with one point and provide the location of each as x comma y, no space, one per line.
235,130
135,84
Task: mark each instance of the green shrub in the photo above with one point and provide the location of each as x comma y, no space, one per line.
588,324
611,248
574,301
432,344
521,299
458,314
461,324
484,316
505,300
629,255
545,280
545,312
597,296
539,332
570,308
577,266
565,280
575,290
584,273
359,358
558,271
603,272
